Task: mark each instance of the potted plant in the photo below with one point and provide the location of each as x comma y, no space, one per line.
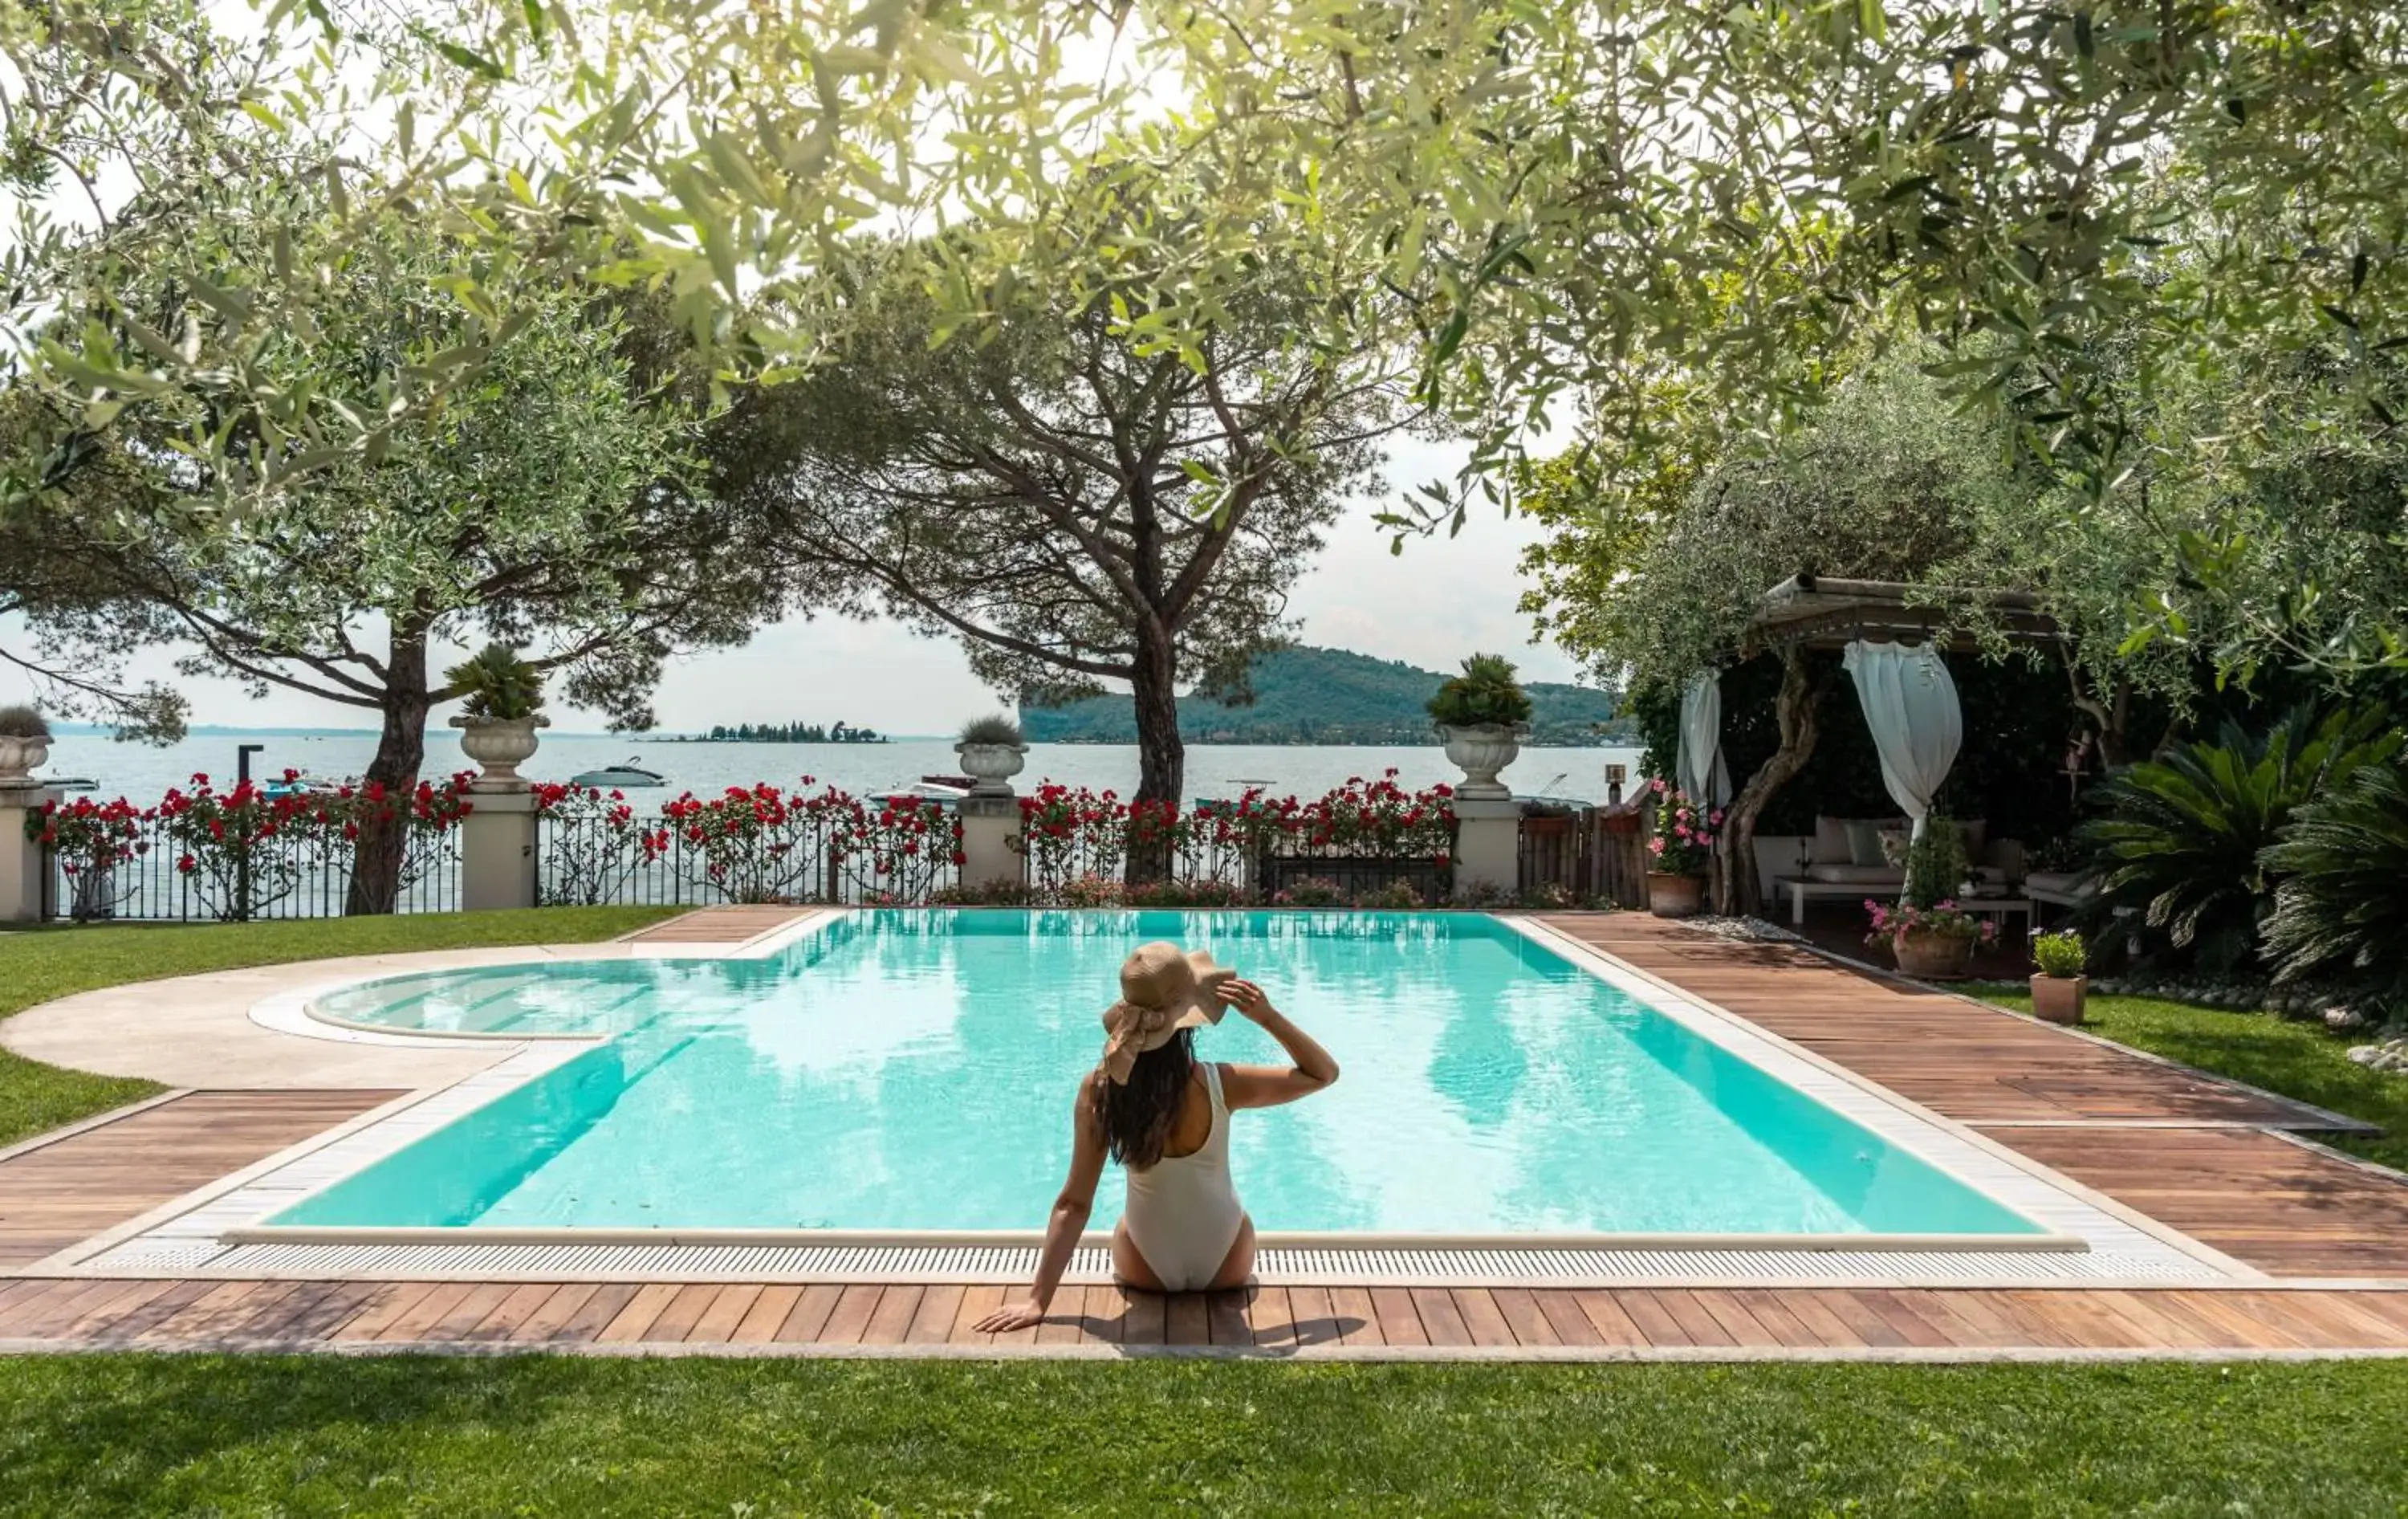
2058,990
1482,716
1929,935
502,708
1677,852
24,743
991,753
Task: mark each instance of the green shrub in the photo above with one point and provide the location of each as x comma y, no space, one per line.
2340,908
994,729
1487,692
1935,863
2182,838
2060,955
497,684
19,720
1396,896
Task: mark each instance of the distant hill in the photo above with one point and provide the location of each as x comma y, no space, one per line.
1329,696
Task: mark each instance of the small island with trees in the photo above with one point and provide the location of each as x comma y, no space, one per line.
788,732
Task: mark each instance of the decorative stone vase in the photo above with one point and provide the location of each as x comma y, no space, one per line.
1927,954
1480,751
19,757
991,766
499,745
2059,998
1675,896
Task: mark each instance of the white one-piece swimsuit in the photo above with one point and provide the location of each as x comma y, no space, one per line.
1182,1211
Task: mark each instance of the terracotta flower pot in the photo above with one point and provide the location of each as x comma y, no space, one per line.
1675,896
2059,998
1927,954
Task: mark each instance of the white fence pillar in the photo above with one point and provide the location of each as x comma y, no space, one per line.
990,826
22,864
1488,846
497,848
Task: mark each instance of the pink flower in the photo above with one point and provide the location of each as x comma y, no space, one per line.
1657,785
1656,846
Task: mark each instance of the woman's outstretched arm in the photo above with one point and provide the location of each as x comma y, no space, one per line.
1267,1086
1069,1220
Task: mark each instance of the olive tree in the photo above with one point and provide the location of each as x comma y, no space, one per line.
1075,508
552,504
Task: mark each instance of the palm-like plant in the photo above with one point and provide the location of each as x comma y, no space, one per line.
2183,837
2341,909
497,684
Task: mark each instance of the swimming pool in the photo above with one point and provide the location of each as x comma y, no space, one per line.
913,1070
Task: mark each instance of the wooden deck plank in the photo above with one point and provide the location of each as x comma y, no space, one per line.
167,1303
934,1320
978,1300
719,1321
1561,1307
1187,1320
64,1192
1225,1318
635,1321
1401,1324
595,1314
812,1309
1477,1308
552,1314
1102,1315
856,1304
768,1311
1969,1062
1353,1316
383,1306
1440,1319
1273,1315
469,1311
891,1320
1144,1316
513,1310
1523,1316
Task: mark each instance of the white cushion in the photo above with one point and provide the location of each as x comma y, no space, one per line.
1830,841
2072,882
1856,874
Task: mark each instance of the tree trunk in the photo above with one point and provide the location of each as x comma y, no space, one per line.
401,751
1797,709
1161,754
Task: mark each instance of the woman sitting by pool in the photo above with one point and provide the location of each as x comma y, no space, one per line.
1165,1116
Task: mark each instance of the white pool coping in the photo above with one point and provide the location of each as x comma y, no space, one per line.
2086,1238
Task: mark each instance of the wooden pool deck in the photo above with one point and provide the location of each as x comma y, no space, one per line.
2209,1159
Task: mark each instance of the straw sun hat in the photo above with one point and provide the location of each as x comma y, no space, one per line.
1163,990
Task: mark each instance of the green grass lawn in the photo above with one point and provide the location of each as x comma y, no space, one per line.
39,964
133,1434
2298,1060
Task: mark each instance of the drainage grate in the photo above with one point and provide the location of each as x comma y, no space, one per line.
1275,1267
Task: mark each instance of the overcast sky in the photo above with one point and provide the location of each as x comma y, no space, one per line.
1440,600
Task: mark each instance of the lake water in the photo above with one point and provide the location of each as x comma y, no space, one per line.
142,773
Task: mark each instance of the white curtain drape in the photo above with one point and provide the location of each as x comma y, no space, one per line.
1910,705
1699,770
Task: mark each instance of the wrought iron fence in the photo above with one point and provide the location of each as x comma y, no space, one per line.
147,876
593,850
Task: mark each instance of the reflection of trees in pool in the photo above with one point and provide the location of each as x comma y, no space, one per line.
1478,1063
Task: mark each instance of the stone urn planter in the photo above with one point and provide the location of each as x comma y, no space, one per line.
1933,954
19,758
499,745
1675,896
991,766
2059,998
1480,751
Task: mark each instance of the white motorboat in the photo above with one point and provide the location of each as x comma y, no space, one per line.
620,777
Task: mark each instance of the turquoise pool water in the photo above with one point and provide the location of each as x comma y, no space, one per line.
914,1070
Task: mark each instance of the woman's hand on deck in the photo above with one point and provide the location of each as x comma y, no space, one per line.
1010,1316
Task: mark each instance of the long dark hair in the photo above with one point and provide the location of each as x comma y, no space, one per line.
1138,1115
